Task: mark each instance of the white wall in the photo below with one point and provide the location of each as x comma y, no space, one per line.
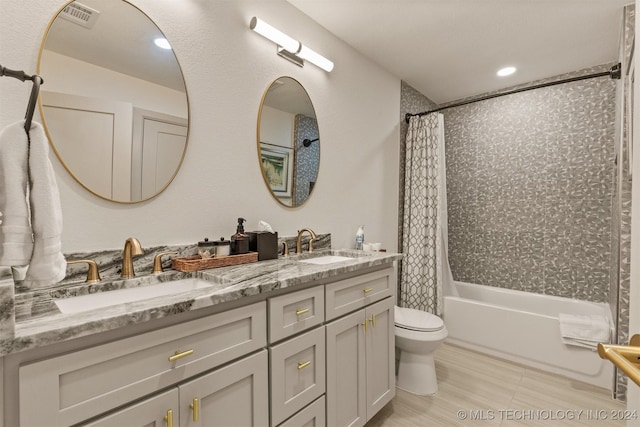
227,68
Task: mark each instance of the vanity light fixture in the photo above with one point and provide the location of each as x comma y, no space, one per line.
290,48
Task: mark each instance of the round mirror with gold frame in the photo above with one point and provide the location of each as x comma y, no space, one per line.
288,142
114,102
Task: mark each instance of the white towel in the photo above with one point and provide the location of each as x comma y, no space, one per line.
584,330
16,242
33,236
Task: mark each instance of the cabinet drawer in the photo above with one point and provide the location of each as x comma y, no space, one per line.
295,312
297,373
311,416
348,295
73,387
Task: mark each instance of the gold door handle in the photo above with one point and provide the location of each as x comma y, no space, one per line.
169,418
195,406
367,290
179,355
365,323
373,320
303,311
304,364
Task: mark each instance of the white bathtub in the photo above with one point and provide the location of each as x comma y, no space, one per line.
523,327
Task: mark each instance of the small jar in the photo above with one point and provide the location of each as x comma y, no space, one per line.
223,247
206,249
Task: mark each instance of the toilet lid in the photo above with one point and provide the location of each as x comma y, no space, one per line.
417,320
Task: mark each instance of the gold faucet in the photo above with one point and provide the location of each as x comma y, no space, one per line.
299,239
131,247
157,261
93,274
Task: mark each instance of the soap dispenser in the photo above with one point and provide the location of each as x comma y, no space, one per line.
240,240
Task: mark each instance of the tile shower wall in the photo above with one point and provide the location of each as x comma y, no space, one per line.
621,212
529,187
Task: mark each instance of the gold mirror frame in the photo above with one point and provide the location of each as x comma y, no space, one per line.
169,103
288,142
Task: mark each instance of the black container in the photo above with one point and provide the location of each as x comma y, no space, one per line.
240,240
265,243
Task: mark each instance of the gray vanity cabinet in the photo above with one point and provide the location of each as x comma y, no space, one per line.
360,349
322,355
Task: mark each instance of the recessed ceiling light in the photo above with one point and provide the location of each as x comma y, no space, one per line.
163,43
506,71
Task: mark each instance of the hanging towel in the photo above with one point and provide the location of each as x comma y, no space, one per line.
584,330
31,231
16,244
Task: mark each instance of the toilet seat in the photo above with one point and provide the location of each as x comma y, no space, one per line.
417,320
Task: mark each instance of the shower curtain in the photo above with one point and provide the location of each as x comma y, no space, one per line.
425,268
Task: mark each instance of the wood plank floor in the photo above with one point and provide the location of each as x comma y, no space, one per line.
480,390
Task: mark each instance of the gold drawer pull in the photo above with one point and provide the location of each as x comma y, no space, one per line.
169,418
179,355
303,311
373,320
367,290
304,364
365,323
196,409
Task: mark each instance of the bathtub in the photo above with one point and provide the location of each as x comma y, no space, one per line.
523,327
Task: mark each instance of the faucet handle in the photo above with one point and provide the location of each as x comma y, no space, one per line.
157,261
285,248
93,274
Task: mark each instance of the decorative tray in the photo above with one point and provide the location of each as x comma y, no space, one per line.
194,263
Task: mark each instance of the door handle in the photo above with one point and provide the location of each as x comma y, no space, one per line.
195,406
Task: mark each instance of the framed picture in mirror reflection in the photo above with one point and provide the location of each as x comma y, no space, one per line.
277,162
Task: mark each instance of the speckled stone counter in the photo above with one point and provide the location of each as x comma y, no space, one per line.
47,325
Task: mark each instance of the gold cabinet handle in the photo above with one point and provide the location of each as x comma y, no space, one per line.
303,311
304,364
179,355
169,418
365,323
367,290
195,406
373,320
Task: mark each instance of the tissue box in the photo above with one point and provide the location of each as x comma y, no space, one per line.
265,243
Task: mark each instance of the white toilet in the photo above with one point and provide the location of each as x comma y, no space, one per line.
418,335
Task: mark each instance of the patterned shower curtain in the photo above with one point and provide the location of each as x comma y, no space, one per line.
424,213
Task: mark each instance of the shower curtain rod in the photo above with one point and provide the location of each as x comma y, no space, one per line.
615,73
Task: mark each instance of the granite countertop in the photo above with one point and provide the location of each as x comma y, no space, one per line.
50,326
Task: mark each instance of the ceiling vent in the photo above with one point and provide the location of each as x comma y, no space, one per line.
80,14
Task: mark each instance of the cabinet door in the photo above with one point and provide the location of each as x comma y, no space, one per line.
153,412
380,351
346,405
235,395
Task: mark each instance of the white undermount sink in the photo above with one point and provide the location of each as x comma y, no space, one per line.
327,259
90,302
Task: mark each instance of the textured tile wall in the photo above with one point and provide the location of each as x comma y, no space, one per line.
530,182
621,213
307,158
